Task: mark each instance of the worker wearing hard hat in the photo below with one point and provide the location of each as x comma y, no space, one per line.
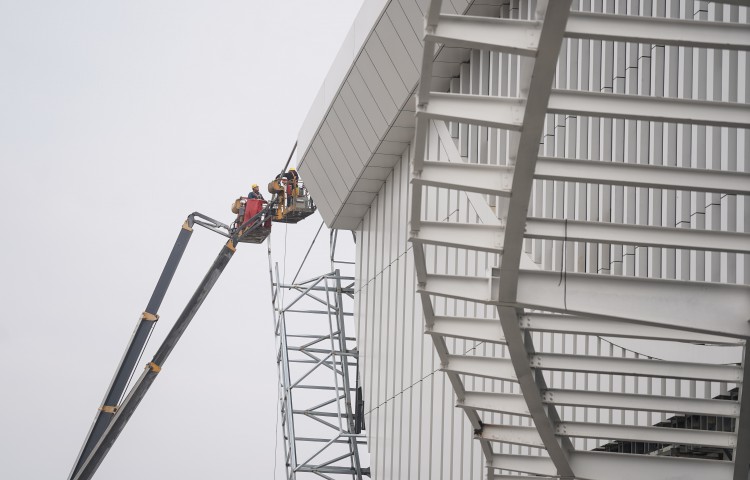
255,193
292,175
292,187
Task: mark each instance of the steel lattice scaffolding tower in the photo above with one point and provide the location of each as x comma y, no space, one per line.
321,410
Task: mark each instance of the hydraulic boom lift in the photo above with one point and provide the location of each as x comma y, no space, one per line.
252,226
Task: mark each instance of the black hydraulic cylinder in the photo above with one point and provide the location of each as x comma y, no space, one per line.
135,347
125,411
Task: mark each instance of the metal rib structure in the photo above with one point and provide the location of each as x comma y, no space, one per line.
558,400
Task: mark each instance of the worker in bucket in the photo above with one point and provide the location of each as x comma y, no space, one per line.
255,193
277,187
292,184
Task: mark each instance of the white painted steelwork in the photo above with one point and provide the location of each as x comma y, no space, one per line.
628,220
317,362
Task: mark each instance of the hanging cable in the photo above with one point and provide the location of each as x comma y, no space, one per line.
417,382
140,355
308,252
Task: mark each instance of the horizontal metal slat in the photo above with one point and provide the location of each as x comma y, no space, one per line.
554,322
498,368
469,177
636,366
639,175
511,403
684,436
514,434
473,236
480,110
519,37
712,308
661,31
524,464
642,235
652,403
480,329
655,109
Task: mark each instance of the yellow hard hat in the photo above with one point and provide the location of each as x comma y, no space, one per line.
255,185
292,168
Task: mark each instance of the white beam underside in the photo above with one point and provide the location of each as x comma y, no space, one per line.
649,176
552,322
514,434
488,111
475,289
660,31
650,403
618,466
530,437
685,436
488,179
655,109
718,309
487,367
637,367
515,477
694,306
510,403
524,464
487,238
642,235
479,329
520,37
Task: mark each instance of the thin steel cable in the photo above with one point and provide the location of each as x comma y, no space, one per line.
308,252
418,381
140,356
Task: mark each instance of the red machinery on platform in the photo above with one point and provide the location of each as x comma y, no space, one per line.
253,223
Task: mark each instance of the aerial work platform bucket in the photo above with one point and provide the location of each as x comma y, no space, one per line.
297,206
260,228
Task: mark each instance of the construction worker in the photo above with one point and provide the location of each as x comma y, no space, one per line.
255,193
292,181
277,187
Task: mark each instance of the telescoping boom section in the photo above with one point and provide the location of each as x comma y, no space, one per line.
253,226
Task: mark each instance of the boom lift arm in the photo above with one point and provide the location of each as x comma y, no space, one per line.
113,415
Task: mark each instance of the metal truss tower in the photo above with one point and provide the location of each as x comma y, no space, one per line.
319,399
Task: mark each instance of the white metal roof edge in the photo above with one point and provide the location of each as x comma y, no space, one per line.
354,42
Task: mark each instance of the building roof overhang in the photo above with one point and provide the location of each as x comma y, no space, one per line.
362,119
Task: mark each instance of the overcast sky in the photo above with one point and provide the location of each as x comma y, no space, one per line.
117,119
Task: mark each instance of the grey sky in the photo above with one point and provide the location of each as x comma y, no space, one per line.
117,119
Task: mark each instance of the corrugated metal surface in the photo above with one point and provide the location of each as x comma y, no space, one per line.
413,428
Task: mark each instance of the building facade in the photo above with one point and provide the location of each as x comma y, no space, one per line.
550,201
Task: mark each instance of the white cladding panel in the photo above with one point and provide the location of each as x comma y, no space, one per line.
358,114
414,430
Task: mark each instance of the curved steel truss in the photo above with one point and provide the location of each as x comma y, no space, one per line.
563,401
